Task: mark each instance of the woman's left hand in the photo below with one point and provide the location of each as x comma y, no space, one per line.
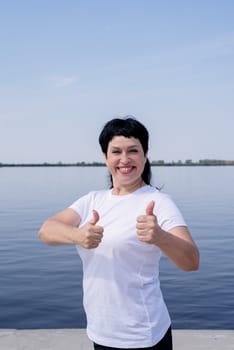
177,243
148,230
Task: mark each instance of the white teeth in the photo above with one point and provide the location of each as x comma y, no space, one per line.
125,170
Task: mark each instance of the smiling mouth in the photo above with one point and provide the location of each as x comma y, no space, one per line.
125,170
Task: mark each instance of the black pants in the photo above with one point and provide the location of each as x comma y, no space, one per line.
164,344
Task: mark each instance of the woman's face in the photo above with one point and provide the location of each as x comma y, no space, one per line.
125,160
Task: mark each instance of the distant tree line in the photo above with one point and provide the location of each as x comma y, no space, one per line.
188,162
47,164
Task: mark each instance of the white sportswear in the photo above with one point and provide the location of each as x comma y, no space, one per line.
122,296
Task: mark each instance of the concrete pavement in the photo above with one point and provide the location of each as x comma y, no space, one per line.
76,339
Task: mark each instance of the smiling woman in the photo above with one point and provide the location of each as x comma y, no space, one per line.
136,139
125,160
120,234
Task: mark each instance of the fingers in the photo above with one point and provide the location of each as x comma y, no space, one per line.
147,224
95,218
96,230
92,239
95,240
93,233
149,211
150,208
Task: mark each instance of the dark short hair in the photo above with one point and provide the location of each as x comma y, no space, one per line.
127,127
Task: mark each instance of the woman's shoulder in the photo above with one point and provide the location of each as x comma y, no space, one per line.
155,191
158,195
95,195
89,199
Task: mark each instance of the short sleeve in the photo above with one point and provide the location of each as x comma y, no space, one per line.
83,206
168,214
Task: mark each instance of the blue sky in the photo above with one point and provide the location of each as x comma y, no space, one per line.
67,67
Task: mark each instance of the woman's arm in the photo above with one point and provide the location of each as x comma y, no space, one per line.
177,244
63,228
180,248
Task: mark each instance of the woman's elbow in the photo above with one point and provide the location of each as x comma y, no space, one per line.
44,236
194,261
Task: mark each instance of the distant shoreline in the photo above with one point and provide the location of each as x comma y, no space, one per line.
204,162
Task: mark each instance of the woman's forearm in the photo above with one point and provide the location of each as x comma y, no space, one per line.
63,228
55,232
181,251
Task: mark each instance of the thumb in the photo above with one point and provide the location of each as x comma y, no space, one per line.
150,208
95,218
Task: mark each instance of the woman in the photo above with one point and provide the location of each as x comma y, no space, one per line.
120,234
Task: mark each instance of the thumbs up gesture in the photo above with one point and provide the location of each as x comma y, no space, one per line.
147,225
91,234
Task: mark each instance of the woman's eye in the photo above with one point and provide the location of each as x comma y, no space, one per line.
134,150
115,152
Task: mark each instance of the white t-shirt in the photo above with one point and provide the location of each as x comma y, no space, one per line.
122,297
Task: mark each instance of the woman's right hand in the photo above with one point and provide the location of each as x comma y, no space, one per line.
63,228
90,235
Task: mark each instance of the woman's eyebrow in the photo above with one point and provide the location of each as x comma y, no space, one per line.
115,147
119,147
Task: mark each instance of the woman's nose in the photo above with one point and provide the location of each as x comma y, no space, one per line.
124,158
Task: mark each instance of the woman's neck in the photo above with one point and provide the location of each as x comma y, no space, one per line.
123,190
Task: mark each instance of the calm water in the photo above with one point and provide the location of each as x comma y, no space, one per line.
40,286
